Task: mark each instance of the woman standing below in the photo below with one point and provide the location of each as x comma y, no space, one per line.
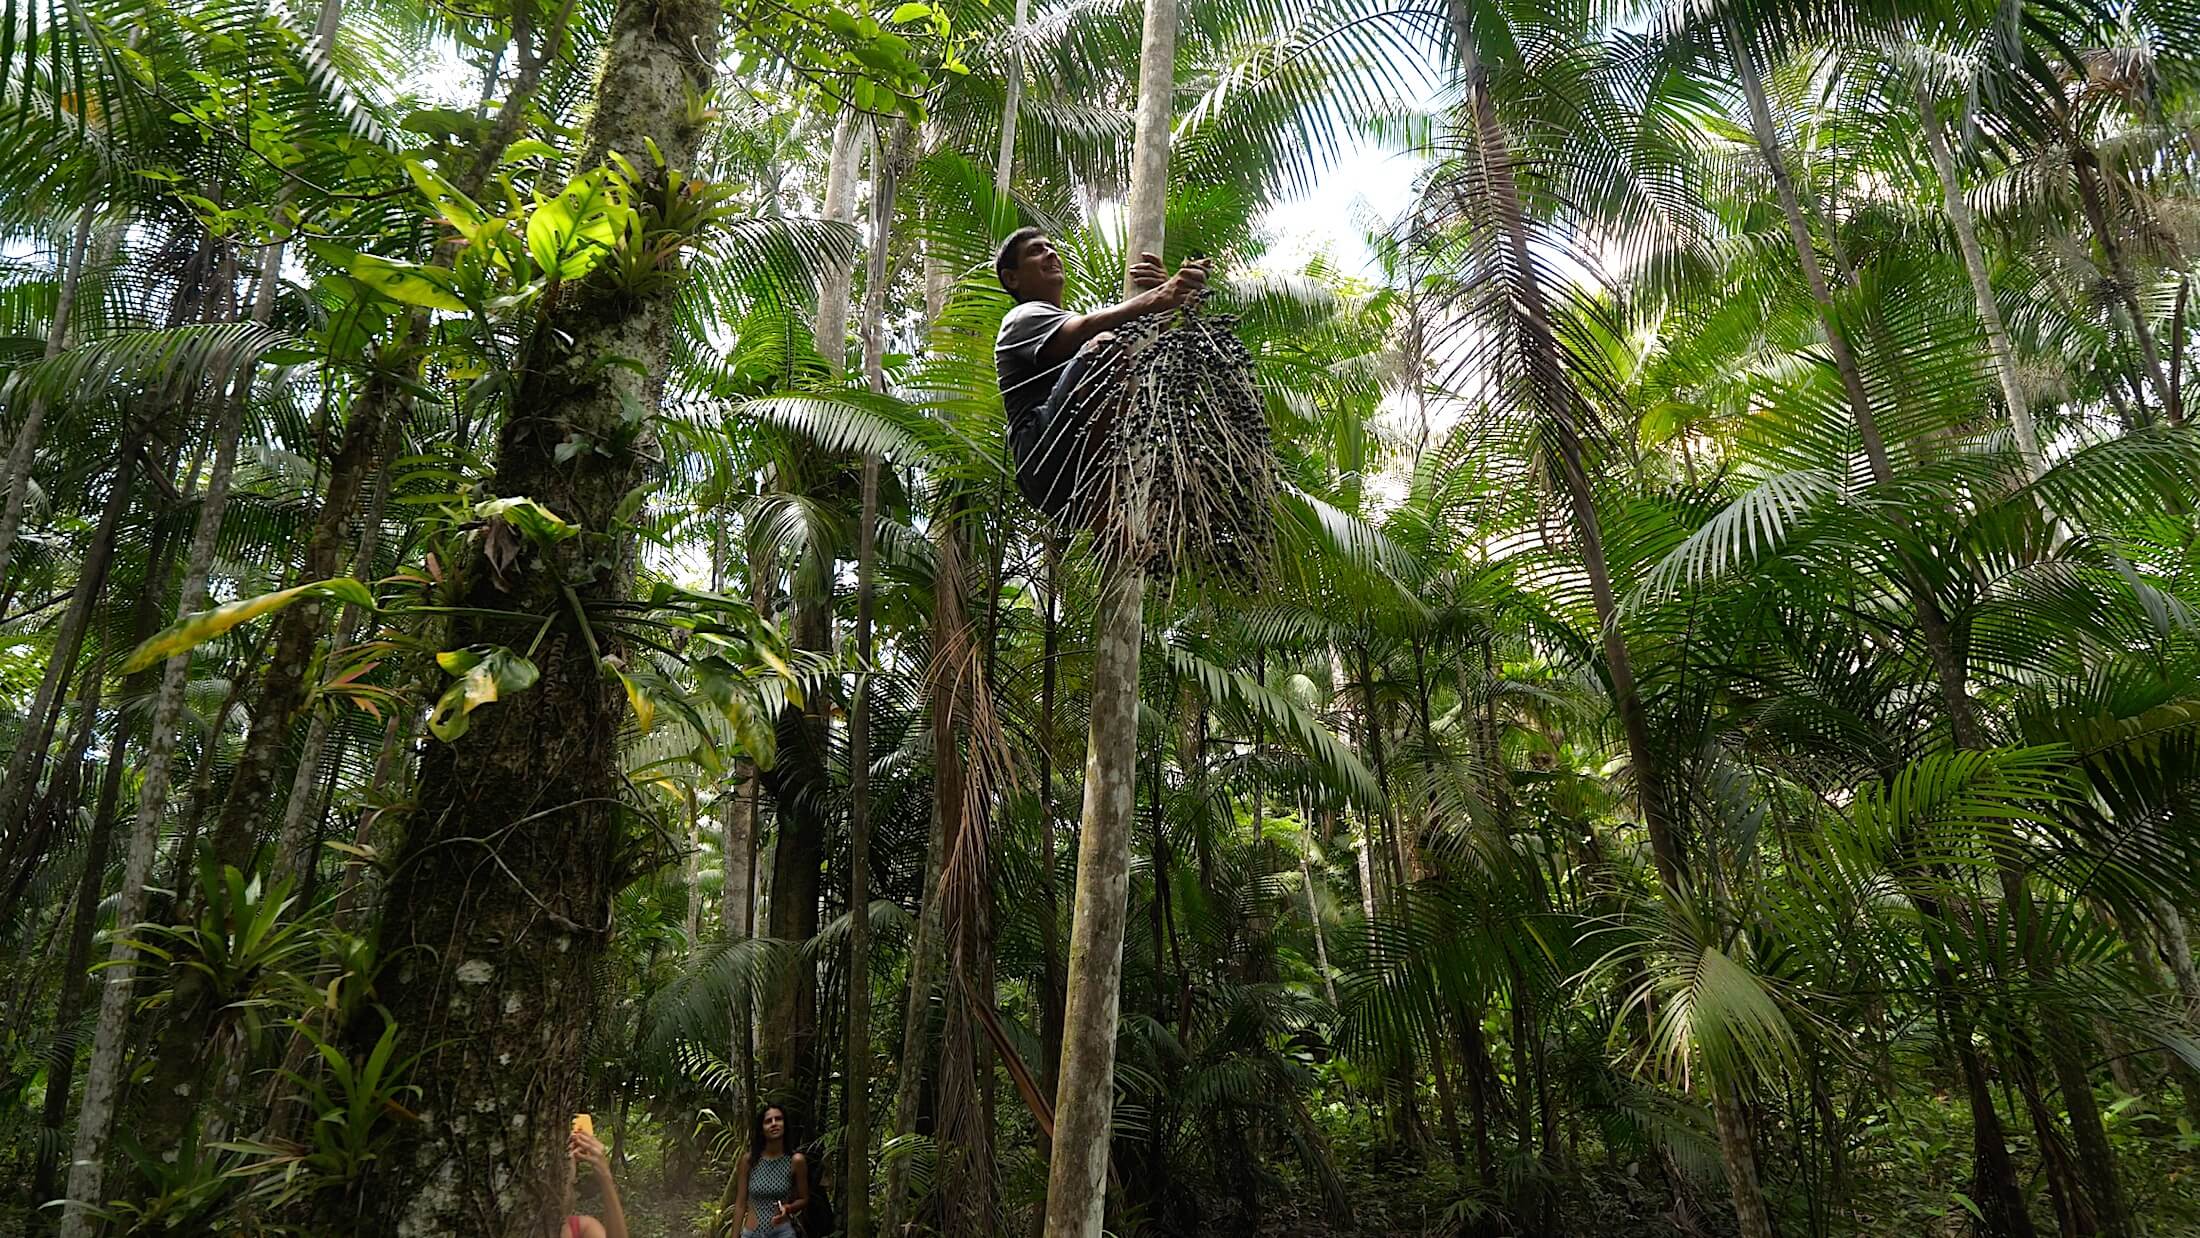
583,1146
771,1188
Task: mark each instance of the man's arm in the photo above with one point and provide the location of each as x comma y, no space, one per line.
1162,295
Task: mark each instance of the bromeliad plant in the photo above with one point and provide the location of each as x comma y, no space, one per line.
247,944
355,1107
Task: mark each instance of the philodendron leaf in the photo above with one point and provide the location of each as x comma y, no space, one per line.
406,282
484,675
569,234
539,523
194,630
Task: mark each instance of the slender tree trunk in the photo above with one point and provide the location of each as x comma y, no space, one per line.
29,759
59,802
1050,932
1982,286
1004,164
69,1008
185,1040
103,1076
856,1189
2085,165
1561,404
1474,1056
2176,949
1084,1101
294,857
24,447
1931,621
296,634
834,291
2004,1206
1740,1156
925,955
737,819
1314,918
492,977
2096,1160
1084,1094
1362,853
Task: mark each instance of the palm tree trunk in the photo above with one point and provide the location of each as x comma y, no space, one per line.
184,1038
103,1076
838,285
2085,165
927,951
1740,1157
1560,405
2176,949
1982,287
69,1007
1004,165
293,858
55,805
1050,933
856,1188
1085,1089
1084,1099
29,759
1314,918
493,979
24,447
2005,1205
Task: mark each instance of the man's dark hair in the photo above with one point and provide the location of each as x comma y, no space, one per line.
1011,252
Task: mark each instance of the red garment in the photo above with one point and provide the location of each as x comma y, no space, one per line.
572,1227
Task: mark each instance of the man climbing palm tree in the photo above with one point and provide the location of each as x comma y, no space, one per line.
1053,364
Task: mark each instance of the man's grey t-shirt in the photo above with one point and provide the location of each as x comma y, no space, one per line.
1025,380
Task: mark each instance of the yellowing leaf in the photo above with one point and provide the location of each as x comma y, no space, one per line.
191,631
645,710
539,523
484,676
404,282
457,209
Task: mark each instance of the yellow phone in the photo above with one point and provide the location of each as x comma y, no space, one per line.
585,1124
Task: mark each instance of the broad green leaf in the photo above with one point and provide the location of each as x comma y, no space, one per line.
194,630
569,234
404,282
529,148
483,676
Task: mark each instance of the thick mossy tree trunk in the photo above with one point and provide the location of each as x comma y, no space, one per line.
499,906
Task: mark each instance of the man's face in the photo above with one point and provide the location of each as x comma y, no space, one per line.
1037,275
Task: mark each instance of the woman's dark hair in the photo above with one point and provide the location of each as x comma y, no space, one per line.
1011,252
756,1131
